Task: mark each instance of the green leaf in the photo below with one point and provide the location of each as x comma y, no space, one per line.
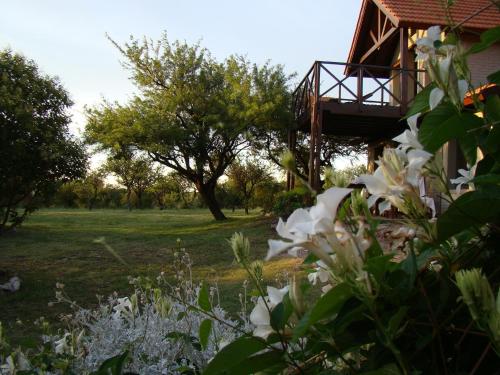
310,259
492,114
234,354
474,208
421,101
378,266
205,329
445,123
487,179
494,77
112,366
271,361
281,313
488,38
395,322
327,306
204,299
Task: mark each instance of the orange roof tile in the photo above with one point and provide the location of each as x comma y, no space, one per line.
424,13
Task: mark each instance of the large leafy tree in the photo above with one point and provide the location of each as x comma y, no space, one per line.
192,113
36,149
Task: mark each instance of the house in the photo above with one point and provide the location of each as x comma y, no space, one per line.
368,95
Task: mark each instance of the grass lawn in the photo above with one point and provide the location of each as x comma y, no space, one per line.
57,245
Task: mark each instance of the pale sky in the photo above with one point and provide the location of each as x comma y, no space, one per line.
67,38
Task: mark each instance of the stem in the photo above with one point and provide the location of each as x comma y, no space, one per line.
480,360
436,328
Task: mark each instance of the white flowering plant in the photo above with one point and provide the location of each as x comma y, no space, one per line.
164,327
420,300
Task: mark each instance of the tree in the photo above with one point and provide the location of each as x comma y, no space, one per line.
273,142
135,173
245,177
36,149
192,113
91,186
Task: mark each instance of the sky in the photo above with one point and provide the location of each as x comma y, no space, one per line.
67,38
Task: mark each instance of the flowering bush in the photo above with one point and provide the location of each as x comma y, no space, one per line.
160,329
424,305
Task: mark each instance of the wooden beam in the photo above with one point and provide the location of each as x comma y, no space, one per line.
380,6
378,44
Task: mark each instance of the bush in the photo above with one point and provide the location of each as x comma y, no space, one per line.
162,328
289,201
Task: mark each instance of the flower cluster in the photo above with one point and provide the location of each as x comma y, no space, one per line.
340,248
441,61
398,180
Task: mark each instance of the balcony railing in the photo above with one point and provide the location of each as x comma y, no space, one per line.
362,85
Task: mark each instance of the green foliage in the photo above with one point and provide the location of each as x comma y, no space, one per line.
36,149
245,178
135,173
235,355
192,113
289,201
343,177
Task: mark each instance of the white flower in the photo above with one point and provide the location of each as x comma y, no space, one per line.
260,315
61,345
435,97
124,307
425,46
321,273
396,179
409,138
466,176
310,229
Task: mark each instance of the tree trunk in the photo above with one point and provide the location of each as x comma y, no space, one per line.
207,192
128,200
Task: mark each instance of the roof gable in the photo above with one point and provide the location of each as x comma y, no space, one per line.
472,15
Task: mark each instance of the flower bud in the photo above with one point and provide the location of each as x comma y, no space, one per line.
477,294
241,247
296,297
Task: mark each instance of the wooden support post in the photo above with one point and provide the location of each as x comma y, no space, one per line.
288,173
312,143
360,88
294,152
317,161
314,127
403,50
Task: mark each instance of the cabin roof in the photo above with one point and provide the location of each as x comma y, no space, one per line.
473,15
426,13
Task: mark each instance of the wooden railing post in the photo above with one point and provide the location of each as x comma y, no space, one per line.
360,88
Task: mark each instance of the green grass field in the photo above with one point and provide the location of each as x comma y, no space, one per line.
57,245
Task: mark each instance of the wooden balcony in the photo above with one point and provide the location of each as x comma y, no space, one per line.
354,100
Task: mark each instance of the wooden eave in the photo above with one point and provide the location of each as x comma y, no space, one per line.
363,49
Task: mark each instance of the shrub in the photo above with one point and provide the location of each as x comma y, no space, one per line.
289,201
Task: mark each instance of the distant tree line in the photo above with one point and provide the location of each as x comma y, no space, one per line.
141,184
